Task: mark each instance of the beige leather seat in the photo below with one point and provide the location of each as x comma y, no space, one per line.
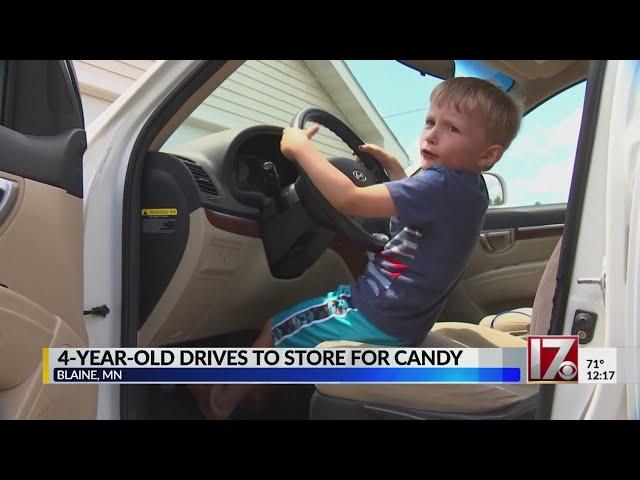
515,322
445,401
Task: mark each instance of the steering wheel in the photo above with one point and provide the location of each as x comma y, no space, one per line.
362,174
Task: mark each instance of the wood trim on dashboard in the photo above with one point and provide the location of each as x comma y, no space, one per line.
228,223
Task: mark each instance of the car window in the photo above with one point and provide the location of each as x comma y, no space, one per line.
538,165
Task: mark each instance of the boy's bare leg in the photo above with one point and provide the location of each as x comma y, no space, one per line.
218,401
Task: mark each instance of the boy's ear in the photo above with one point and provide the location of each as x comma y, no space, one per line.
491,156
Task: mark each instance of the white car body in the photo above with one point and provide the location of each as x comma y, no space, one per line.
110,141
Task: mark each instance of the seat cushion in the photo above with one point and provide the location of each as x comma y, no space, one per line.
478,398
512,321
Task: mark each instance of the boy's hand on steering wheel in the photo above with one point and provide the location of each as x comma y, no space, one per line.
388,161
294,140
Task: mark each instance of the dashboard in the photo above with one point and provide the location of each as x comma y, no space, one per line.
250,176
232,175
248,172
228,169
209,211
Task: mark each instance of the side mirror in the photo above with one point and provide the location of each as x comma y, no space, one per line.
497,189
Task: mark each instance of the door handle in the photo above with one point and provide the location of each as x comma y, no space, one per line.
8,197
496,241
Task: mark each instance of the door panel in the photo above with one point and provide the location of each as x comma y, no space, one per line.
41,240
508,280
506,266
41,301
39,250
53,160
26,327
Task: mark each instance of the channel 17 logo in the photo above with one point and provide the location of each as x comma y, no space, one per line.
552,358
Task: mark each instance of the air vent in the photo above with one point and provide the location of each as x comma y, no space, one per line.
202,179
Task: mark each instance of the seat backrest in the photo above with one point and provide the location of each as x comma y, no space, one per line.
543,302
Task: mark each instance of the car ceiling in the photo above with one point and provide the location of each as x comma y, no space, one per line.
537,80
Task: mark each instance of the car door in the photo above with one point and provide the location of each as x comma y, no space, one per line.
520,233
42,142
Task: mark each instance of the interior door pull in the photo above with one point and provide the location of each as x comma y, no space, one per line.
8,197
497,240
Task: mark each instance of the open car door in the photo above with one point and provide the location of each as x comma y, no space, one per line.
42,142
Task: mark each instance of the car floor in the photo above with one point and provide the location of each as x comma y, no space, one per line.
174,402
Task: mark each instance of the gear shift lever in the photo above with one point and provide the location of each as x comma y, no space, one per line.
272,185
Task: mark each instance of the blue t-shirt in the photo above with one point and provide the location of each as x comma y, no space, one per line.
440,213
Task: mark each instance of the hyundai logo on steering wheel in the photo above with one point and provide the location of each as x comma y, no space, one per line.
359,176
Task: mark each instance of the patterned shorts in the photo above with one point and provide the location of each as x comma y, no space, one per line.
320,319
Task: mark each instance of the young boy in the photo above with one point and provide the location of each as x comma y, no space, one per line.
436,217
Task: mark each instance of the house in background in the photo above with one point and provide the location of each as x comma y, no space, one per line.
258,92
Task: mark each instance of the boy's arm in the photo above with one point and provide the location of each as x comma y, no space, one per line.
342,194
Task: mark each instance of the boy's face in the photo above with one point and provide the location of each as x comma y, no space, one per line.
456,140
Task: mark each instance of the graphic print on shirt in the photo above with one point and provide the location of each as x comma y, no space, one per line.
398,253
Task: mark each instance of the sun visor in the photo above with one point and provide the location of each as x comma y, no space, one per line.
443,69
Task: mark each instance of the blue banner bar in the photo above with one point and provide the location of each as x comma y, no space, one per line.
288,375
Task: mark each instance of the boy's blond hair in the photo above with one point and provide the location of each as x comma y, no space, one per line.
501,112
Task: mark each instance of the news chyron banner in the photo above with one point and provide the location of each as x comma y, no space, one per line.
280,365
547,359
